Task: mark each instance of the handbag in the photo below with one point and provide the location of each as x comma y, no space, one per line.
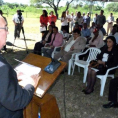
94,64
42,29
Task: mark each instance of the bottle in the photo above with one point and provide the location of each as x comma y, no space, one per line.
39,115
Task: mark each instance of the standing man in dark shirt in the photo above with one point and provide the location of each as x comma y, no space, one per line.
101,19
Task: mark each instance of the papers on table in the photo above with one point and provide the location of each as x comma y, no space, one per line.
28,69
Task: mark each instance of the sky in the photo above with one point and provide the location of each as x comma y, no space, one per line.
18,1
28,2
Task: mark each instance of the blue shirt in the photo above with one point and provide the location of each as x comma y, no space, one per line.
85,32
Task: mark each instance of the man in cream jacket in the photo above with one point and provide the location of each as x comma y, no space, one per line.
75,44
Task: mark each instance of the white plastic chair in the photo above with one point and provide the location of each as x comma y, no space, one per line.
84,64
103,79
71,62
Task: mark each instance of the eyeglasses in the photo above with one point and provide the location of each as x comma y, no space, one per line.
6,28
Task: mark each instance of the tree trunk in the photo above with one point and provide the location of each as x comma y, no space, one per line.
56,13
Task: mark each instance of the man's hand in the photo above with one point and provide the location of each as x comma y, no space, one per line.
44,42
35,79
15,24
47,45
72,48
51,46
62,48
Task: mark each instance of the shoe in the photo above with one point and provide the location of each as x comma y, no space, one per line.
110,104
86,92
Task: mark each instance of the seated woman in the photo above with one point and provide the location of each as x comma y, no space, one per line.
45,39
97,40
106,59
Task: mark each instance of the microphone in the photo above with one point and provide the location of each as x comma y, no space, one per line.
11,44
53,65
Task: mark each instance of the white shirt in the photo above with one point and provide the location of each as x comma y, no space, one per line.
105,57
79,20
110,19
64,21
72,18
65,35
68,16
16,18
67,48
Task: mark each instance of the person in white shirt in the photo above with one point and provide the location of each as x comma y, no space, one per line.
110,21
114,33
94,19
79,19
64,21
69,19
18,21
72,21
65,35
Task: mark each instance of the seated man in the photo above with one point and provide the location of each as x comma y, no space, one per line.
85,31
56,40
74,45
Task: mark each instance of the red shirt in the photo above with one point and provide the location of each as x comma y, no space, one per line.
44,20
52,18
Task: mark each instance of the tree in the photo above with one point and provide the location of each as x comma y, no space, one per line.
1,2
53,4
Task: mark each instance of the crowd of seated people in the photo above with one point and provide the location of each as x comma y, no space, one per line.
83,35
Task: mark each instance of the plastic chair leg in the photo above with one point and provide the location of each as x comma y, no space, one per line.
73,68
69,66
102,85
85,74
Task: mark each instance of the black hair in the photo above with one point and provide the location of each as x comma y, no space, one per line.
52,22
46,14
56,28
102,11
112,38
76,31
63,14
116,26
116,19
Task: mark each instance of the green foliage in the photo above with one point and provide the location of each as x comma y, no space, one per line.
112,7
36,10
97,8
